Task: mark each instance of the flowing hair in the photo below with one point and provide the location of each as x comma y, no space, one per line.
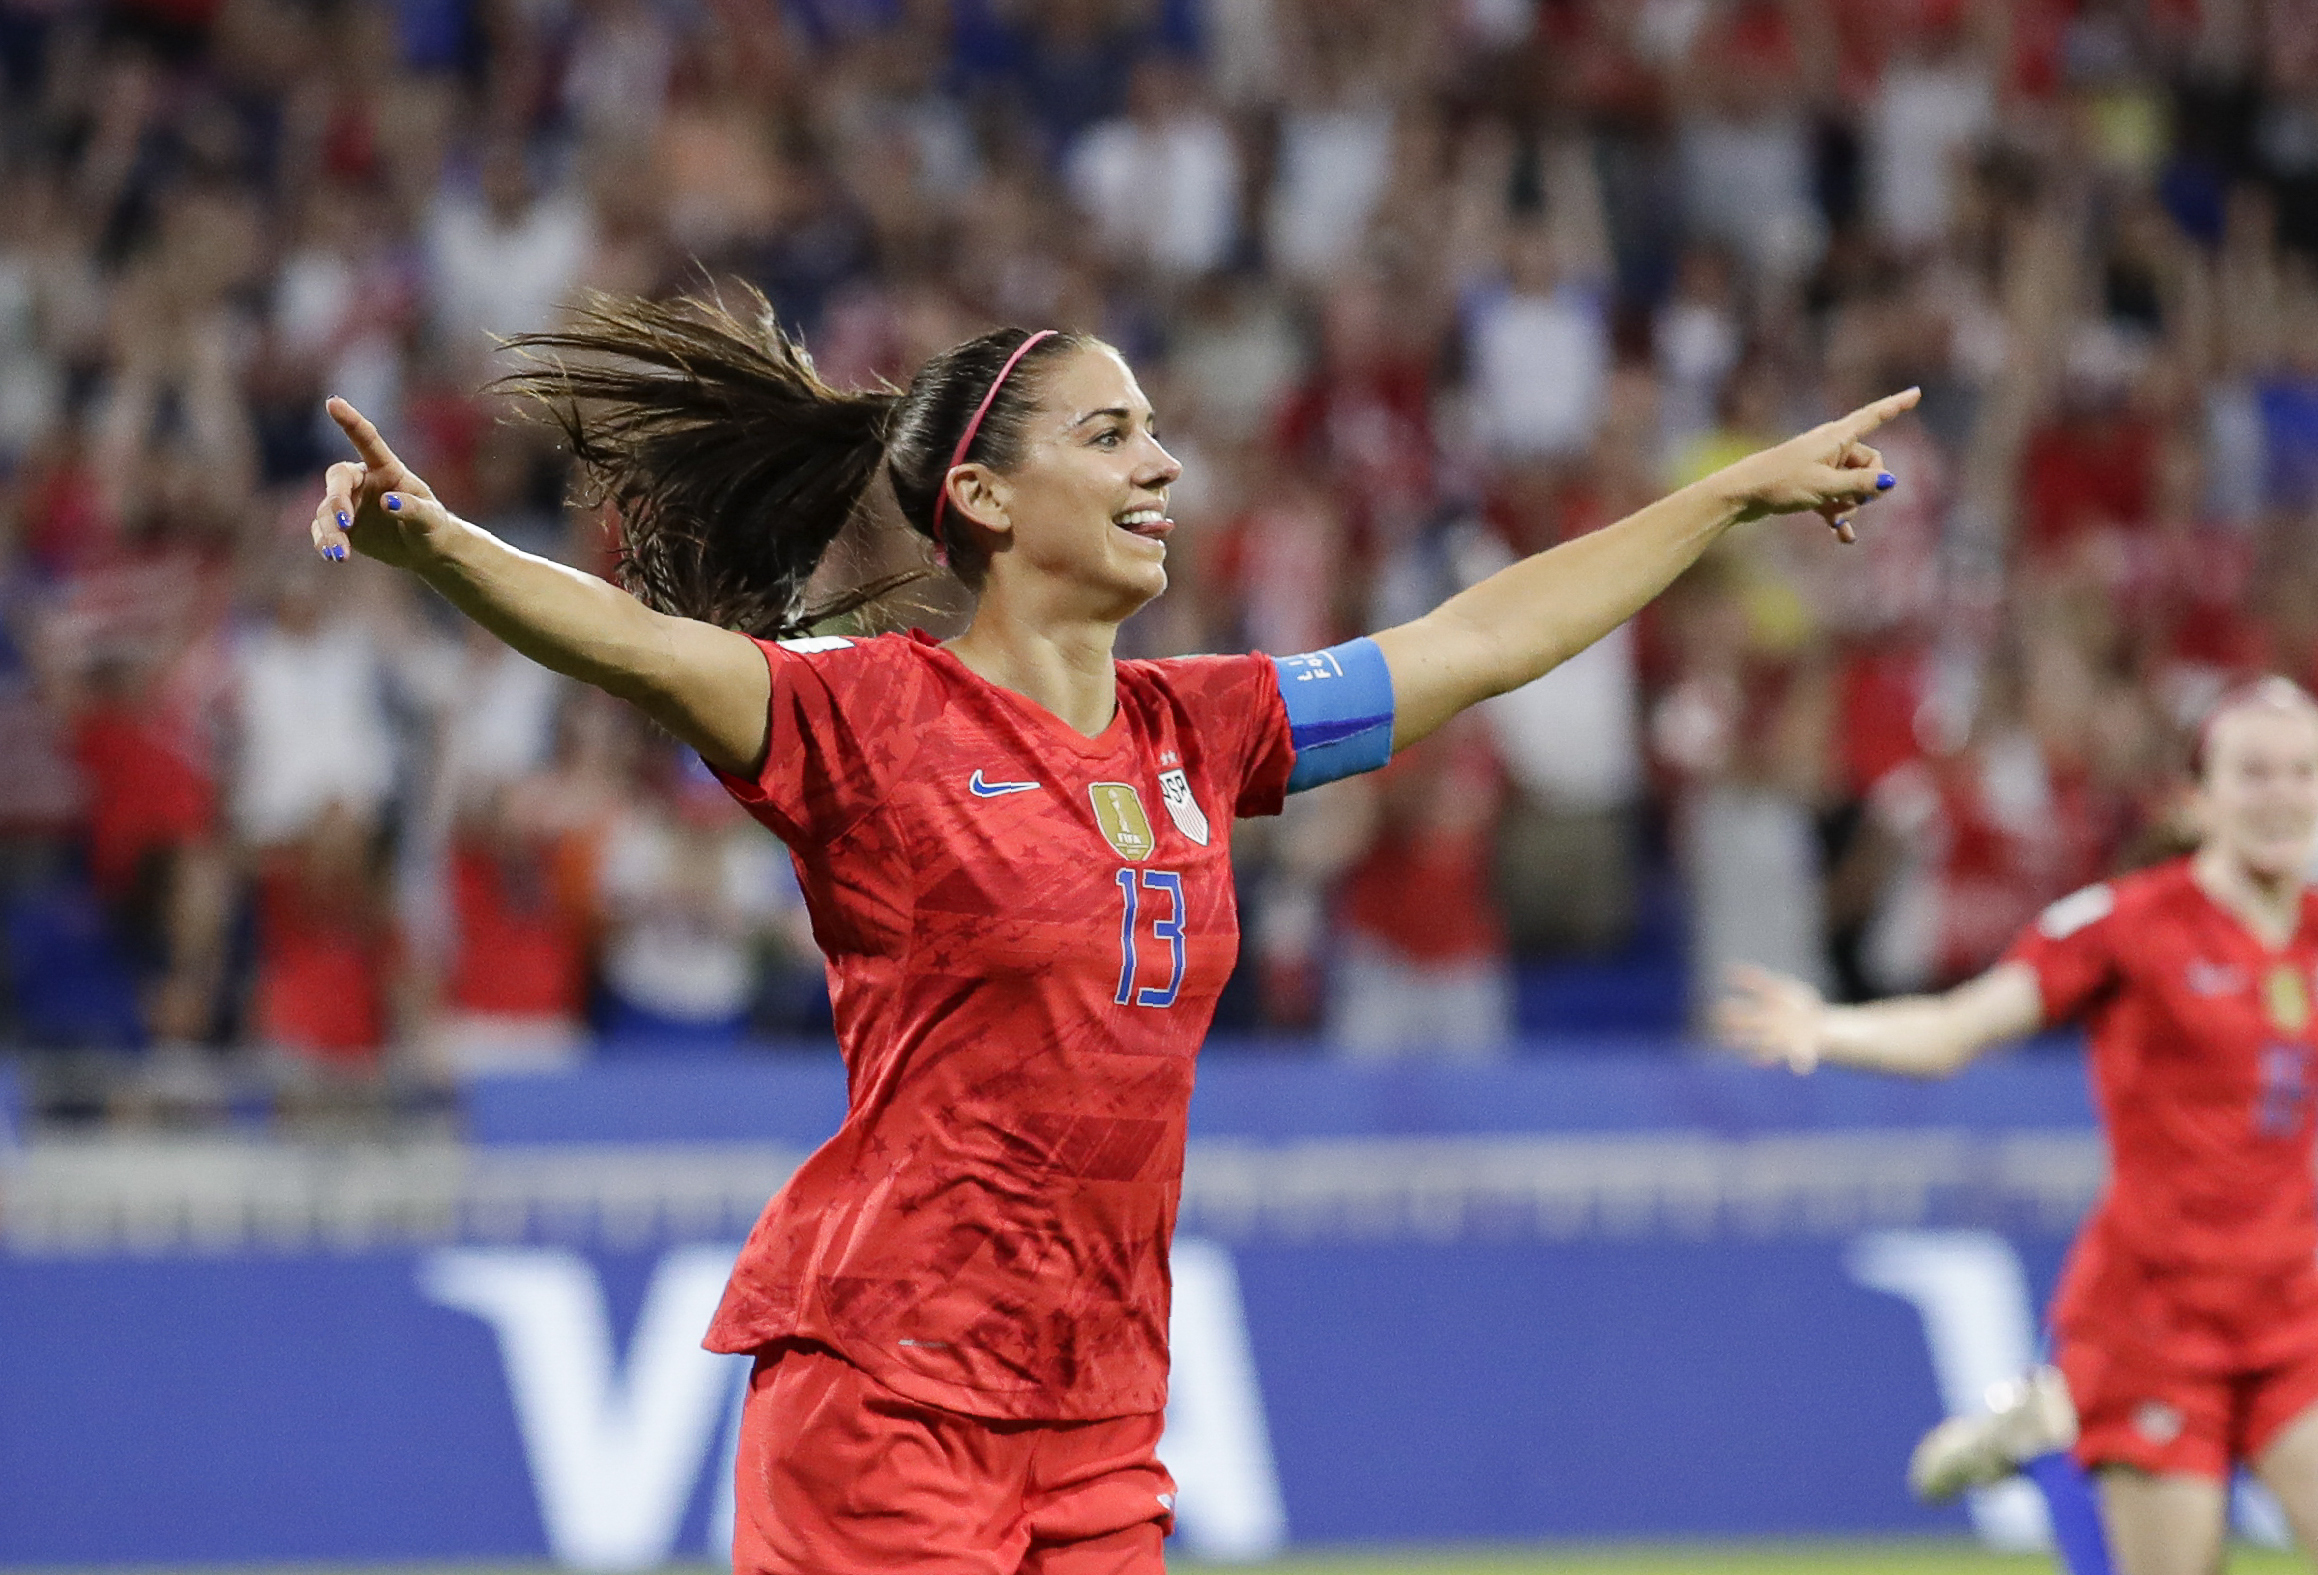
733,466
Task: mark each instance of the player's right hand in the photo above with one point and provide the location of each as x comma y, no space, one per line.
1830,470
1770,1018
377,507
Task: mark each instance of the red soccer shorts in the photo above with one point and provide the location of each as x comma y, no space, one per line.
838,1476
2184,1375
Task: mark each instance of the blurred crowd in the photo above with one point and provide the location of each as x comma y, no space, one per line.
1417,287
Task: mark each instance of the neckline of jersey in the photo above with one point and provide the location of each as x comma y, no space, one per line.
2241,923
1093,745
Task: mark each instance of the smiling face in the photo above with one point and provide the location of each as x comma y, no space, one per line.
2258,794
1084,511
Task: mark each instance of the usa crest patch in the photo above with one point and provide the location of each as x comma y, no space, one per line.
1182,808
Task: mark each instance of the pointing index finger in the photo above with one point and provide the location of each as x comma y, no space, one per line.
375,454
1868,417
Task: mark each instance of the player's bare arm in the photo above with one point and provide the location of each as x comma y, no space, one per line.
1775,1019
706,685
1530,617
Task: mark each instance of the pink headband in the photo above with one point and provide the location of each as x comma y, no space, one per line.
966,438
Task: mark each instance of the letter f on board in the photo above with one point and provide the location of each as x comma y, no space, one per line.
1980,1327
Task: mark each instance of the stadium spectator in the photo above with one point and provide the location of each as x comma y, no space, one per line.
1569,844
1695,341
1343,237
310,713
1422,966
1335,136
503,256
513,996
1162,182
1537,316
692,896
1737,732
329,960
1934,106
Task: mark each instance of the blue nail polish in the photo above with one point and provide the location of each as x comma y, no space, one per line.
1885,481
343,521
338,554
394,503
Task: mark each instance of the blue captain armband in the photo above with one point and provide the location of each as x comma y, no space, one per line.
1339,711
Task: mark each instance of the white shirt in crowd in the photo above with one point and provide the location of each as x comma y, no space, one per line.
1572,739
1747,181
666,950
1751,858
492,276
1168,192
1511,336
500,723
313,728
1332,166
1922,118
616,81
1696,344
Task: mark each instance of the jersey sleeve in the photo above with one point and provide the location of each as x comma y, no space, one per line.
1233,704
844,721
2072,950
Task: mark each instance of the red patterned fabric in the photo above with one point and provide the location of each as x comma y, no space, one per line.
2202,1063
2186,1379
988,1230
2188,1314
835,1473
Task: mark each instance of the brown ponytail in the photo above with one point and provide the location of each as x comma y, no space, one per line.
734,466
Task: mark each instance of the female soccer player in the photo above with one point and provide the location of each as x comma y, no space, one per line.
1016,855
2187,1318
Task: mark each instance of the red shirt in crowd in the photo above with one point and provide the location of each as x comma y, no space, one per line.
1880,692
324,959
1368,429
144,794
1026,932
1422,888
523,951
2088,474
2201,1046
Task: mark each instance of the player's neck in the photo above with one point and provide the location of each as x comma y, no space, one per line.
1064,667
2268,905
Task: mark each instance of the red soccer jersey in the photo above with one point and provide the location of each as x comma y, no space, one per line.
1026,930
2201,1045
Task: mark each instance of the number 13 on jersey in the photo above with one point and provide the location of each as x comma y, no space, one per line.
1157,887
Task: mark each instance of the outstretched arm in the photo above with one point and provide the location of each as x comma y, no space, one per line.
706,685
1772,1018
1532,616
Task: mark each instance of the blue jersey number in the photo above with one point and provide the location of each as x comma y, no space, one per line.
2286,1091
1168,929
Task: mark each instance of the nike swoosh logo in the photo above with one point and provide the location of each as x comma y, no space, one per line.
982,789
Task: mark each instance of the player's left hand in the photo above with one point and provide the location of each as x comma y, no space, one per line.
1829,470
1770,1018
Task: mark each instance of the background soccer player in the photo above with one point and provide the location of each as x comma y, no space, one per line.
1016,854
2187,1319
